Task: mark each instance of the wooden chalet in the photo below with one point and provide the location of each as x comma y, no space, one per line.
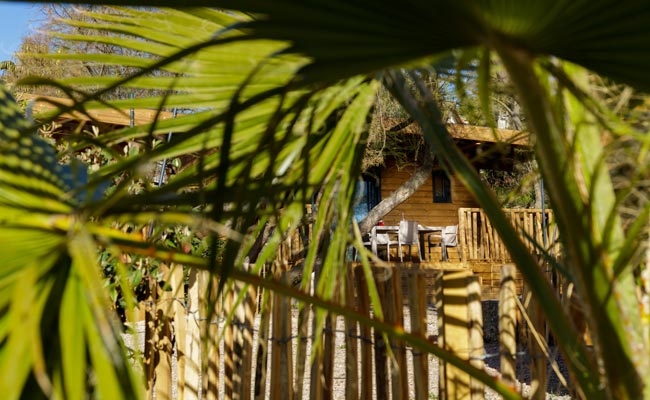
437,201
441,201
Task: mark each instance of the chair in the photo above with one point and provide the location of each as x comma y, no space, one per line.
450,239
435,240
408,236
384,239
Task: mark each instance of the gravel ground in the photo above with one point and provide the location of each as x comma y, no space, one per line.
136,342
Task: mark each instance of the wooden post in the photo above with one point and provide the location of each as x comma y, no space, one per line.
476,346
250,308
462,232
281,354
475,244
508,323
210,329
439,299
381,366
262,347
301,349
395,315
456,331
365,332
418,309
192,380
228,346
149,337
242,335
180,323
351,343
538,375
316,379
162,342
328,357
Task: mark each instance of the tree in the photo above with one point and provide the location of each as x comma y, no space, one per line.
280,122
52,52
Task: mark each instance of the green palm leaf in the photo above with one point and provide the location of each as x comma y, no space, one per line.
269,120
41,278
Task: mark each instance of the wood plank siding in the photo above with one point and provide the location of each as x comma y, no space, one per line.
420,207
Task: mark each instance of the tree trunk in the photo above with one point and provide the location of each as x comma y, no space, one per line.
399,196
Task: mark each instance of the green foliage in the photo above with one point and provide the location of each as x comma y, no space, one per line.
513,189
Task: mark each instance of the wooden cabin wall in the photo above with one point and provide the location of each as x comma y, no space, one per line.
420,207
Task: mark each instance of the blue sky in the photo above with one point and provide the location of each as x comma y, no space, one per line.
16,21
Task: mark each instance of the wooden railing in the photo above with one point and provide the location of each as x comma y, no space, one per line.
479,240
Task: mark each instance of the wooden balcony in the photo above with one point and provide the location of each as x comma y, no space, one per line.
481,248
480,242
484,252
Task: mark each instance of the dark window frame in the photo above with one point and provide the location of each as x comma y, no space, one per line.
372,182
441,187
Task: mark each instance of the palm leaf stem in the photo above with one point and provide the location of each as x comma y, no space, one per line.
606,298
435,132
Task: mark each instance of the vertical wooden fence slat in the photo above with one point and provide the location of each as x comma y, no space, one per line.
538,376
489,242
417,307
251,310
316,371
149,337
381,366
390,315
365,333
351,342
507,323
462,232
476,346
229,346
399,378
281,353
242,327
161,341
478,253
316,378
328,357
262,346
193,339
180,330
456,332
209,308
301,348
483,236
438,294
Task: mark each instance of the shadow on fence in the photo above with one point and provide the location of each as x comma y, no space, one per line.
272,347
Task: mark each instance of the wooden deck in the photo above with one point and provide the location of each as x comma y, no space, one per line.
481,248
483,252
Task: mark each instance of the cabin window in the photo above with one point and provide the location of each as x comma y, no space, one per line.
368,194
441,187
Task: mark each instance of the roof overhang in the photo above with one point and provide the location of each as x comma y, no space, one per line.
471,133
44,105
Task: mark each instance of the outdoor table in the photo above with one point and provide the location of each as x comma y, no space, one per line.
422,230
388,229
